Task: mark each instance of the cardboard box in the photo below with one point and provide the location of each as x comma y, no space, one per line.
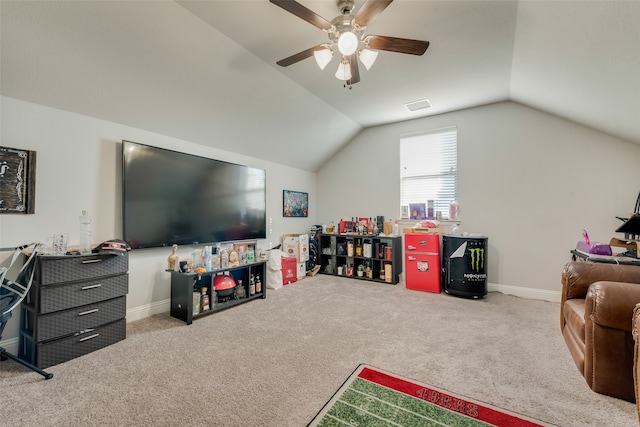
296,246
436,230
289,270
633,245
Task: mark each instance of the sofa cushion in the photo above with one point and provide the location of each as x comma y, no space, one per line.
574,317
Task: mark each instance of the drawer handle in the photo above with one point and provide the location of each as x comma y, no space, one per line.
84,288
95,310
91,261
89,337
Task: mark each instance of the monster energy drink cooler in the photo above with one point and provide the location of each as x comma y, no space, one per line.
464,266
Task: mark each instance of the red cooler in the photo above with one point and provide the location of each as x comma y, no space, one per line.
422,261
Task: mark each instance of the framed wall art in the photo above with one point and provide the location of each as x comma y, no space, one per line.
295,204
17,181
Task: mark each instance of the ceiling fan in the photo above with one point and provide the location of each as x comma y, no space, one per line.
347,38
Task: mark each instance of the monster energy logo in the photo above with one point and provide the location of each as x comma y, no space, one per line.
477,259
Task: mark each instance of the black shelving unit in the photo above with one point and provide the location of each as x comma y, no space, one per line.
183,284
385,252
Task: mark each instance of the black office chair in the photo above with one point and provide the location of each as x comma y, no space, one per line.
12,292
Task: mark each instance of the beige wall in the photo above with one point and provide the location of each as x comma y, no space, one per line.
528,180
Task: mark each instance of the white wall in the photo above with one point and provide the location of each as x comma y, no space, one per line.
79,167
528,180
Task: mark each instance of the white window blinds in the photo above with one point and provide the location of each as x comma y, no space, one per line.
428,168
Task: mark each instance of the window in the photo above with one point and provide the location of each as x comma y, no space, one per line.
428,169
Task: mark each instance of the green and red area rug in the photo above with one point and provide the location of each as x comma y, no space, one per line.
371,398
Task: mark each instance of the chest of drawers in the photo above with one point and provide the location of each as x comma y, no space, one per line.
76,305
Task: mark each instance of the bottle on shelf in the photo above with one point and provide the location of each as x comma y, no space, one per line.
85,233
204,300
258,284
196,300
453,210
368,271
215,258
241,293
370,226
359,247
396,228
252,285
224,259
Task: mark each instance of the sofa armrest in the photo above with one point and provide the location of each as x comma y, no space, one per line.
611,304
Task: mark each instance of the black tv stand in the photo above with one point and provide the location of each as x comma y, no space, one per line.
182,285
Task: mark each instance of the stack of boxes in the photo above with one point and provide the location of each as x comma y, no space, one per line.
295,249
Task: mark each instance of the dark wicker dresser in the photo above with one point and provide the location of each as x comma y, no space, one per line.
76,305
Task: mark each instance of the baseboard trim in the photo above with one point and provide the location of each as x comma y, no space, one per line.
529,293
140,312
11,345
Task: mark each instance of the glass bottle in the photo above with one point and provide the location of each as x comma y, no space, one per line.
252,285
224,259
258,285
204,300
196,300
85,233
453,210
241,293
359,247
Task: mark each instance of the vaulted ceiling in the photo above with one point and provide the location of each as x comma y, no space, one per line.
205,71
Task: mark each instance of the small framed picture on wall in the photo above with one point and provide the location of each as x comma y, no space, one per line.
295,204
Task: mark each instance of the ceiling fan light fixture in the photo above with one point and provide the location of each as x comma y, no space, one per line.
367,57
344,71
347,43
323,57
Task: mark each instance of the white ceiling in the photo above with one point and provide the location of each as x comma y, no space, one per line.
205,71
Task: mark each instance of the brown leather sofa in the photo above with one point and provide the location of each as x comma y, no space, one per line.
635,326
595,319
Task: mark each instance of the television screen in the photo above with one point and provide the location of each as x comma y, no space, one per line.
171,197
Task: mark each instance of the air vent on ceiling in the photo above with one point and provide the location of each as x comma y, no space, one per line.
418,105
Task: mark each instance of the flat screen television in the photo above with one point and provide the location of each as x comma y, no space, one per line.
171,197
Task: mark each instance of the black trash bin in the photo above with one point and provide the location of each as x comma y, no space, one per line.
464,265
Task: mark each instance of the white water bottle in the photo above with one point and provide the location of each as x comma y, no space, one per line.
85,233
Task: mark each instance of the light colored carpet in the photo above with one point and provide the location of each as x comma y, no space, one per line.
275,362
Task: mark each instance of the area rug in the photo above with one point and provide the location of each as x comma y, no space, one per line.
371,397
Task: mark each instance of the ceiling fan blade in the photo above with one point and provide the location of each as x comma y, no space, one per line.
395,44
370,10
355,72
299,56
302,12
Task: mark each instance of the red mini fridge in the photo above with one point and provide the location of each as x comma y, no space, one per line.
422,261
